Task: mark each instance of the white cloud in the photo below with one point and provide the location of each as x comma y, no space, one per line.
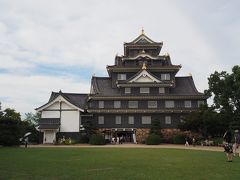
25,93
202,36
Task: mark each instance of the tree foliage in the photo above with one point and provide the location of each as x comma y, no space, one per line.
225,89
32,118
11,128
155,127
225,112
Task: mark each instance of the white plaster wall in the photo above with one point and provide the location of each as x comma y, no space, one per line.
66,106
55,105
50,114
144,79
70,121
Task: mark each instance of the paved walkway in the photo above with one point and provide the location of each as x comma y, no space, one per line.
171,146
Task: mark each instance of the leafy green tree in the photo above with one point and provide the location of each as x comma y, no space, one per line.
11,129
155,127
206,122
32,118
225,89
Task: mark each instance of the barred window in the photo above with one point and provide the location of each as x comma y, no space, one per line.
130,119
144,90
127,90
117,104
152,104
169,104
101,104
100,119
161,90
146,119
187,104
168,120
121,77
133,104
118,120
165,76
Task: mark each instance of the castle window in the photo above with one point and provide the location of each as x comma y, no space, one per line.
146,119
187,104
144,90
169,104
168,120
152,104
100,119
121,77
165,76
127,90
133,104
117,104
161,90
100,104
130,119
118,120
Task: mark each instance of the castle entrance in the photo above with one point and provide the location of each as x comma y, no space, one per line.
124,135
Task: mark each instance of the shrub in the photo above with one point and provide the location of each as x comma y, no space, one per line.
97,139
153,139
84,139
179,139
217,141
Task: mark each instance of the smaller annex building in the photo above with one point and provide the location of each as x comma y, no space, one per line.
62,116
142,86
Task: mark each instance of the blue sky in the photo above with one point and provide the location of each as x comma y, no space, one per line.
48,45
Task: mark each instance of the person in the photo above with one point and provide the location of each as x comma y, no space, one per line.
186,143
121,140
193,141
236,143
228,148
26,142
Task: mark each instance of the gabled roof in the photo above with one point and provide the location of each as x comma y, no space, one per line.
78,101
184,86
103,86
143,39
141,75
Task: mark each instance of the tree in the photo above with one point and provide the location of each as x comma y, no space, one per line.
11,128
206,122
225,89
155,127
32,118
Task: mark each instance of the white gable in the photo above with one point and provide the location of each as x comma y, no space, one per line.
143,39
144,77
55,104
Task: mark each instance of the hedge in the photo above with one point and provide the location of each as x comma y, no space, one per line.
97,139
153,139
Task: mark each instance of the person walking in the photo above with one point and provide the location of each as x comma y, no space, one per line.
186,141
26,142
193,141
228,148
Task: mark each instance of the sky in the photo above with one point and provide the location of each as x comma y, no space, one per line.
52,45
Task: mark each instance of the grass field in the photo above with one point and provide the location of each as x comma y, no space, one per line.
115,163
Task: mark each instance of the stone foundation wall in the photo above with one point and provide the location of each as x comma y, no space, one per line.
141,135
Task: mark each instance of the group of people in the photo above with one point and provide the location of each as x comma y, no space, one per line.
230,147
117,140
187,140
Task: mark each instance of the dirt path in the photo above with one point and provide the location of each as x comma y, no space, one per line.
171,146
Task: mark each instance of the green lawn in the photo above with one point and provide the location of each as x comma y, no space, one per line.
115,163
